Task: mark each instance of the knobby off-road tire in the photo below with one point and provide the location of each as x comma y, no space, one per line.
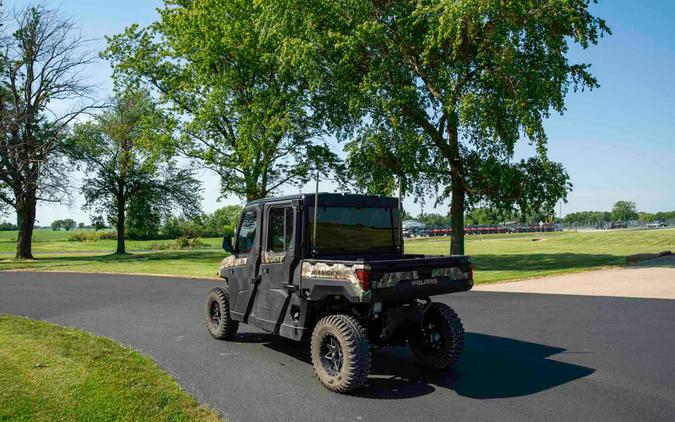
340,353
443,338
217,313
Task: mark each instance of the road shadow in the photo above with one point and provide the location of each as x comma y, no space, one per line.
491,367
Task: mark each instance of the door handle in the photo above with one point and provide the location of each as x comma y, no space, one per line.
292,288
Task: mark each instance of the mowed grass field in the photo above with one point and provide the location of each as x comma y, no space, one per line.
53,373
47,240
496,257
502,258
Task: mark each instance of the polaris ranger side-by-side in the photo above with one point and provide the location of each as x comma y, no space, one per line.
330,268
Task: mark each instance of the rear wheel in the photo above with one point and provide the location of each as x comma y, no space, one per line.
218,320
442,339
340,353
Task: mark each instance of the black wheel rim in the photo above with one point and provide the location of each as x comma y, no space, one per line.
432,338
331,355
214,313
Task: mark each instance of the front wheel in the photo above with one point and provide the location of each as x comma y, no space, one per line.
340,353
441,342
218,320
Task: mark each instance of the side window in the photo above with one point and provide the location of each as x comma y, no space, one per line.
246,235
280,230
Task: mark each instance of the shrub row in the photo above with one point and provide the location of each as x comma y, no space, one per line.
92,236
181,243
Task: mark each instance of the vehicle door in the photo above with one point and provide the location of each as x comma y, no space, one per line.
276,264
243,274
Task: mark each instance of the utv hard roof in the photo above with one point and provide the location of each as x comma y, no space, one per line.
328,199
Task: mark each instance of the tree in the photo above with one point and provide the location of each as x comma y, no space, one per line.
221,223
434,220
588,218
129,174
241,111
450,86
81,226
483,216
69,224
6,226
665,216
624,211
40,66
56,225
98,222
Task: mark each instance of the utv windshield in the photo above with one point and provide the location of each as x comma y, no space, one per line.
346,230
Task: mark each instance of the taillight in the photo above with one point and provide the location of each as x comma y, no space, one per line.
364,279
469,272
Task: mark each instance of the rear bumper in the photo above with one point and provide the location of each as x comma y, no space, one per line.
418,289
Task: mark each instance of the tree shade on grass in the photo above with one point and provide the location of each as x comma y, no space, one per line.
49,372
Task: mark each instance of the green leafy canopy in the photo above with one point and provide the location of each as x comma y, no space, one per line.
445,89
130,173
240,110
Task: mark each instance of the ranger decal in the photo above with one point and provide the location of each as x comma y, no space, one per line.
233,261
336,271
269,257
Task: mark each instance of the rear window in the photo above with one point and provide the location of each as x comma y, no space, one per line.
345,230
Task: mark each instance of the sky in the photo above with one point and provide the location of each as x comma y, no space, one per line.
617,142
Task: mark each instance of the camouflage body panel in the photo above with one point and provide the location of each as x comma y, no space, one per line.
392,279
269,257
453,273
232,261
337,271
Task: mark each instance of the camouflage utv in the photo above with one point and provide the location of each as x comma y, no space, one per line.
330,268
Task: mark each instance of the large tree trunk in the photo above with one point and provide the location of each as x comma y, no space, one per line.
25,218
121,205
457,221
458,193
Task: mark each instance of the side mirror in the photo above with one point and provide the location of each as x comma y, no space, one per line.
227,245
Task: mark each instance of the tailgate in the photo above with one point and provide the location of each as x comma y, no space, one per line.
421,276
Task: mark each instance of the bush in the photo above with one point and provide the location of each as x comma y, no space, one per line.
181,243
205,225
6,226
92,236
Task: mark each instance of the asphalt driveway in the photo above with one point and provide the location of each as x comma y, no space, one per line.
527,357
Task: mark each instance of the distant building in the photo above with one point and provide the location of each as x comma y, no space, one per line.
413,224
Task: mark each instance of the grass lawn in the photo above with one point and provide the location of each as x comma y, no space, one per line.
496,257
47,240
54,373
502,258
197,263
39,235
